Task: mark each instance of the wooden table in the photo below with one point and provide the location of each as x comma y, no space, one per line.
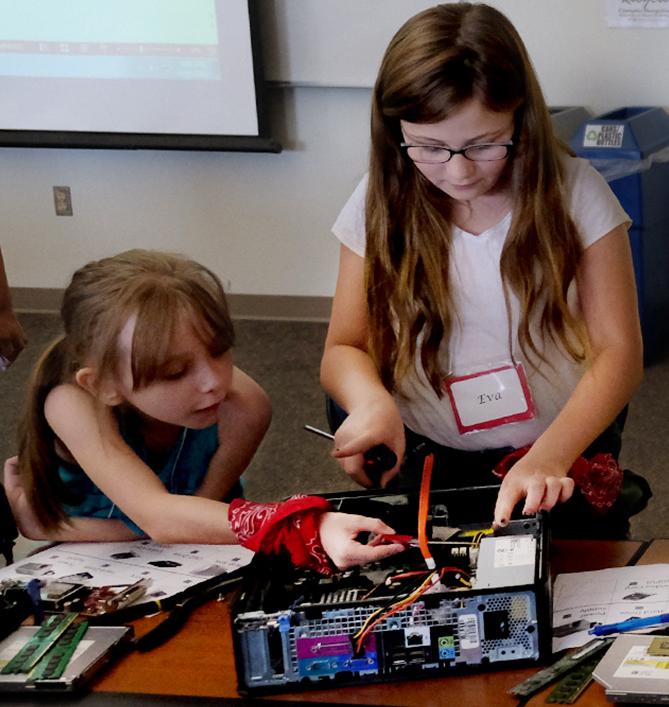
198,662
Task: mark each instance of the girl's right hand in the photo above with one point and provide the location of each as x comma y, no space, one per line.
366,427
339,531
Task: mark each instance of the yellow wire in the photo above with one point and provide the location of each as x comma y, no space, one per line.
394,608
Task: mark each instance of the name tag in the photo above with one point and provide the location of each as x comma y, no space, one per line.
492,398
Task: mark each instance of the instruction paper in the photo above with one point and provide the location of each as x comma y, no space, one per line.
583,599
170,569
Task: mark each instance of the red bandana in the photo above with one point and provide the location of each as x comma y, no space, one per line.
291,525
599,479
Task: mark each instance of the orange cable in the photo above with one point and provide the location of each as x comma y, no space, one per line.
423,506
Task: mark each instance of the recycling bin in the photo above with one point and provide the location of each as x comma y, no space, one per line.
630,148
568,119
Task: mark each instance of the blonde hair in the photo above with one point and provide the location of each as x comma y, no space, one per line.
438,60
157,288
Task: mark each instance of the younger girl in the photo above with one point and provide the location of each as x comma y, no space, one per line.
485,299
138,423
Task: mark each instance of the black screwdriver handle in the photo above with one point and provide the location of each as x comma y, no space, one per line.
378,460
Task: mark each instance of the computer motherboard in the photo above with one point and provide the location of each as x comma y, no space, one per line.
485,604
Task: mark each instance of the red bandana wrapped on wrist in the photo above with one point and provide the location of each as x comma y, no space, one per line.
292,526
599,479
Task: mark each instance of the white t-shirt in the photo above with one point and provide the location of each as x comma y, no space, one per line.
480,336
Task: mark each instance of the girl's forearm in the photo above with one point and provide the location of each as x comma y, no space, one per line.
349,375
90,530
5,297
603,391
607,298
244,417
188,519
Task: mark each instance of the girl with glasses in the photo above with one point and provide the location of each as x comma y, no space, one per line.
485,306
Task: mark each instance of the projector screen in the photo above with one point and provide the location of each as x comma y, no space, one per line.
130,73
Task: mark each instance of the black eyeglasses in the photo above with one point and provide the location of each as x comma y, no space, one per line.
435,154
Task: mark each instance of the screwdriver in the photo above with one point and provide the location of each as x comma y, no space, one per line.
377,459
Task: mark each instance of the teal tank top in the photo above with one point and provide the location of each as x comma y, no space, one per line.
182,473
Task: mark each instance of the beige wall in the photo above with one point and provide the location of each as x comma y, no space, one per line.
262,221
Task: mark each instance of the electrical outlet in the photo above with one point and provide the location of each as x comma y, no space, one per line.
62,199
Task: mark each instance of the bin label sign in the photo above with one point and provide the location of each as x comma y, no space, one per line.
607,135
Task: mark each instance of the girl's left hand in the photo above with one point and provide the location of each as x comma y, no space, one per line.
542,486
24,516
338,532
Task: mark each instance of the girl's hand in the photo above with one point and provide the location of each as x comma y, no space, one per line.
366,427
24,516
542,486
338,533
12,337
76,529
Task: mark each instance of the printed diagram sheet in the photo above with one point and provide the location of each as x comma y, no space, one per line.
170,569
583,599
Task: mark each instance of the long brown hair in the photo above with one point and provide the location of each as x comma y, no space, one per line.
158,288
439,59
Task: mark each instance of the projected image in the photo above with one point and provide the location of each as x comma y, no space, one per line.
135,66
135,39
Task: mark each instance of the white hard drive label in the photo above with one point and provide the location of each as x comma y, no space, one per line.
514,551
468,631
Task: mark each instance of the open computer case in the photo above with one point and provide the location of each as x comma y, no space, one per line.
486,605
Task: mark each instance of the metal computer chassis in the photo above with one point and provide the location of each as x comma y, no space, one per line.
294,629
